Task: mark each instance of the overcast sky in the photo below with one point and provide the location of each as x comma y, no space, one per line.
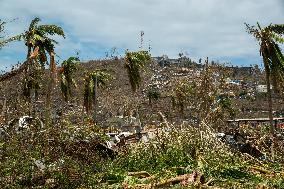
199,28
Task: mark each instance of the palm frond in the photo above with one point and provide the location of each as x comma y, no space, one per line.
102,77
33,23
270,51
275,67
135,61
14,38
99,77
253,31
277,28
69,66
51,30
277,37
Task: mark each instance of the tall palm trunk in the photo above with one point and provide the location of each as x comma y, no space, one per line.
95,99
270,110
29,52
51,82
269,95
27,71
52,67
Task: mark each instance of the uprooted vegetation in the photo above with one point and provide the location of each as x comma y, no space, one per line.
178,156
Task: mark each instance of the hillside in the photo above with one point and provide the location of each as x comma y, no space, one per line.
169,141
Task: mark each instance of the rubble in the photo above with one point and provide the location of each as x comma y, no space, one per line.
125,123
23,123
238,142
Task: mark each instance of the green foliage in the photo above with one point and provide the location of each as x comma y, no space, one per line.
68,67
97,78
153,94
38,36
174,151
277,28
135,61
38,41
182,94
225,104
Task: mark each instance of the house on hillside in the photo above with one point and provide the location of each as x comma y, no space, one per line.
179,62
241,71
262,88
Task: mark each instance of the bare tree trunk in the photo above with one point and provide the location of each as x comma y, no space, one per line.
95,100
270,110
50,87
269,99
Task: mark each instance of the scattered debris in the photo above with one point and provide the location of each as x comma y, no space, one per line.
24,123
239,143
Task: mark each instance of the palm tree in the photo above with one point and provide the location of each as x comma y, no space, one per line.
135,61
273,59
38,37
39,45
93,81
68,68
38,41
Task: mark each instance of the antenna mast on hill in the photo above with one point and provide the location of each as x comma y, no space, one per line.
149,48
141,37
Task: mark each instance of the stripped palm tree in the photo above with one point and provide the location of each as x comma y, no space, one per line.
37,39
273,61
93,81
68,68
269,38
38,36
135,61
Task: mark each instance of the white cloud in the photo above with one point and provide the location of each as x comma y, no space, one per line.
213,28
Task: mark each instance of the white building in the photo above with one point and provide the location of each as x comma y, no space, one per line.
262,88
